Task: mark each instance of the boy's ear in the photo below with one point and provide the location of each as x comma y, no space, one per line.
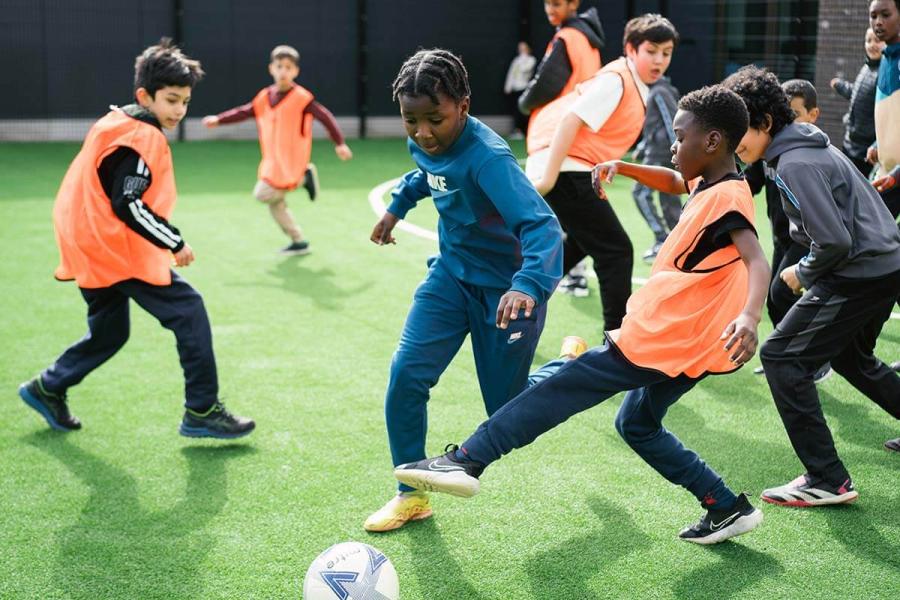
766,125
143,97
713,141
464,106
814,114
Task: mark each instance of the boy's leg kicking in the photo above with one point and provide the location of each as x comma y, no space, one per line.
278,208
838,323
108,327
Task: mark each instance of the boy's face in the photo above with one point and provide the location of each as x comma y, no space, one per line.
284,71
885,20
874,46
651,60
753,145
169,105
694,147
433,127
803,115
559,10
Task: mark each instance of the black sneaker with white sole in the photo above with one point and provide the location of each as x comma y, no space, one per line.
719,525
295,249
445,473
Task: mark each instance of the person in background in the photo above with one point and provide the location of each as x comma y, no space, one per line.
654,150
517,77
859,122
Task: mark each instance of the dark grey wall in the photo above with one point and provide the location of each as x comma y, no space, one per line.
71,58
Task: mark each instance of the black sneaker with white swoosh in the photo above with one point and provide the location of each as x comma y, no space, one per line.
719,525
444,473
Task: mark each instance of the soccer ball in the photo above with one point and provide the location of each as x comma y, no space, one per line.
351,571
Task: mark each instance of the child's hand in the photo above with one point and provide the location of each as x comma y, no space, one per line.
381,233
603,173
872,155
343,152
185,256
509,306
789,277
741,334
211,121
885,183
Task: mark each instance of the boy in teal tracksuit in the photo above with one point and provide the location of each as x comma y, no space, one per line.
500,252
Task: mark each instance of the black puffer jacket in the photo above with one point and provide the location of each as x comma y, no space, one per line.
860,119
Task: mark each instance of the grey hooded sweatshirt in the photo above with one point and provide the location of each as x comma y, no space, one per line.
833,209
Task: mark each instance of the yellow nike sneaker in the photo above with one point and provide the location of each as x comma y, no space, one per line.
572,347
400,510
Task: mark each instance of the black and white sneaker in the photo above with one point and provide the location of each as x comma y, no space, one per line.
311,181
807,490
444,473
824,373
892,445
719,525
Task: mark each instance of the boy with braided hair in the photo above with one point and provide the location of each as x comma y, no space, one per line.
499,260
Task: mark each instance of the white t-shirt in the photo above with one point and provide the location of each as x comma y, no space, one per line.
599,99
519,74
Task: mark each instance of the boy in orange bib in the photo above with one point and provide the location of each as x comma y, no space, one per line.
697,315
115,240
284,113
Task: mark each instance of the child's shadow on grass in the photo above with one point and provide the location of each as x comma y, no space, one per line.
117,547
319,286
438,573
552,571
740,567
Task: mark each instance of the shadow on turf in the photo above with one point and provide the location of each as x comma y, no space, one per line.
317,285
117,548
739,567
438,573
550,571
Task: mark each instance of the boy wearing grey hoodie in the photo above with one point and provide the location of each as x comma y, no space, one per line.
849,282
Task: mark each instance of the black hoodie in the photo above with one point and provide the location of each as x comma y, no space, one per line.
833,209
554,70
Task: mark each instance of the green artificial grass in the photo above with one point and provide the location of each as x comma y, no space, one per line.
126,508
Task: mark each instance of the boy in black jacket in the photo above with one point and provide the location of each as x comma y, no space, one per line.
851,279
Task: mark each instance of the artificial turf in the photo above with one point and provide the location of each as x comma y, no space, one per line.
126,508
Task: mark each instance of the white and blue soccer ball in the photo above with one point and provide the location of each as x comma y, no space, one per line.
351,571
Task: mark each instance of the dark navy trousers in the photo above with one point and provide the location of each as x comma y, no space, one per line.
178,307
444,311
577,385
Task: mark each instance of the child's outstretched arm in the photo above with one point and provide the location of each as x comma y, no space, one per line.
233,115
661,179
741,333
411,188
324,116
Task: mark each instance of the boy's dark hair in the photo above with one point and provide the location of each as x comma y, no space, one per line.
802,88
761,92
285,51
430,72
650,27
164,64
715,107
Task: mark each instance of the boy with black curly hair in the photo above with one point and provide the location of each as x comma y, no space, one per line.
849,280
708,285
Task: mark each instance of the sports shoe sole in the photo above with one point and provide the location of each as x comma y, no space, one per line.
399,522
740,526
455,483
847,498
205,432
824,377
36,404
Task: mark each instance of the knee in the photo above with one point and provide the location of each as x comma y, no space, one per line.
631,431
770,352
